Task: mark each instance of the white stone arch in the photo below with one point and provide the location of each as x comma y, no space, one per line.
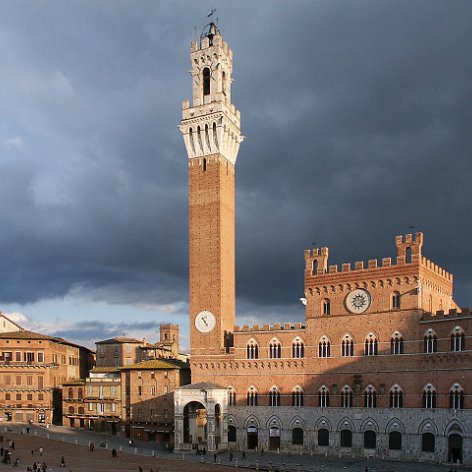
369,424
274,422
395,425
457,330
252,420
428,426
346,423
233,421
455,426
297,422
323,423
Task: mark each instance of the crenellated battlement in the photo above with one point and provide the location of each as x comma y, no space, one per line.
452,313
267,327
408,252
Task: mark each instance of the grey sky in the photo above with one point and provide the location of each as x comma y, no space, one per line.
357,120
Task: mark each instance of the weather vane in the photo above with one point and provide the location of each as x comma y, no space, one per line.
211,12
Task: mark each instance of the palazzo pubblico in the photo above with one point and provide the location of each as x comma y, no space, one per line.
381,364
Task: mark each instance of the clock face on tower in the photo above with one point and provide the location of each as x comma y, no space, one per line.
205,321
358,301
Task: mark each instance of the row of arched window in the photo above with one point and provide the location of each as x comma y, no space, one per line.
345,398
370,346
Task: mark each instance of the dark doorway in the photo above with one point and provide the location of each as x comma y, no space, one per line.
370,439
274,439
252,437
323,437
455,448
346,438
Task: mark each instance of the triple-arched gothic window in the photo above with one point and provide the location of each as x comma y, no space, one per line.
347,346
396,397
430,342
323,397
457,339
275,349
324,347
274,397
370,397
429,396
371,345
456,397
396,343
252,396
252,349
298,348
297,396
346,397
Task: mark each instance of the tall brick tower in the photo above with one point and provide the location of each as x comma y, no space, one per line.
211,130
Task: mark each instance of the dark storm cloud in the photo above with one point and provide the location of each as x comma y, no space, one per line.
90,332
357,120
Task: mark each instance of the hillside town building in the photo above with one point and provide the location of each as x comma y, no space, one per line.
33,368
130,391
381,364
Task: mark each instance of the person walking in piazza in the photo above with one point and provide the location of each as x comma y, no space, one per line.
114,454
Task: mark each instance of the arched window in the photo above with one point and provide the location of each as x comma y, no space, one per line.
408,255
347,346
326,307
456,397
251,397
315,267
429,396
430,304
206,81
371,345
274,397
80,393
231,396
223,82
395,441
204,165
297,397
275,349
396,300
215,135
81,410
207,136
298,348
323,437
370,397
346,397
324,347
192,142
457,339
297,436
70,392
430,342
428,442
252,350
71,410
370,439
323,397
346,438
396,343
396,397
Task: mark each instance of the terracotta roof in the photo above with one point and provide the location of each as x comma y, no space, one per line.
119,339
157,364
43,337
104,370
74,382
202,386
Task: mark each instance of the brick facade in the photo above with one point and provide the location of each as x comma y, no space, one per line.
379,366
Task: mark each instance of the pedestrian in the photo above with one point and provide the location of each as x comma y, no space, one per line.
243,455
140,469
13,444
231,456
1,451
41,450
17,462
92,446
214,457
114,454
63,462
27,430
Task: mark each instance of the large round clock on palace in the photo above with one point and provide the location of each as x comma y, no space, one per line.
205,321
358,300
